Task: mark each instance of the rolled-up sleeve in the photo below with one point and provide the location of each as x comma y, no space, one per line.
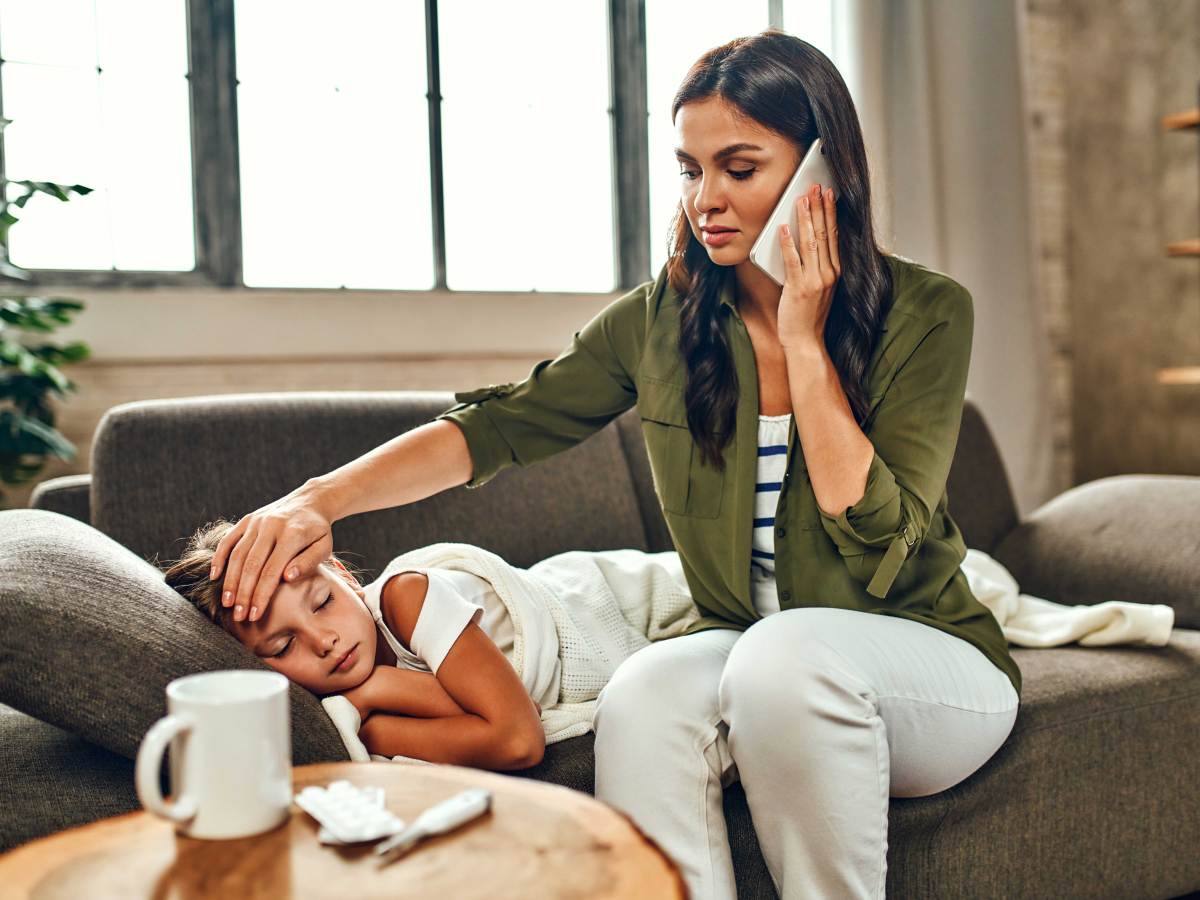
914,433
563,400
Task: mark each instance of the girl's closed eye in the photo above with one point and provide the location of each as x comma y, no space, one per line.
284,649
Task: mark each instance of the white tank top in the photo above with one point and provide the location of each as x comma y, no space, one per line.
454,600
772,463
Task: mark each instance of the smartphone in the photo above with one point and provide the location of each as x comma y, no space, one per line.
813,169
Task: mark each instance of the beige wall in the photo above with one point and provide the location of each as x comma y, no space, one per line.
105,384
180,343
1112,190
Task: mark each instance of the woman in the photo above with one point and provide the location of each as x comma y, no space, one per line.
800,440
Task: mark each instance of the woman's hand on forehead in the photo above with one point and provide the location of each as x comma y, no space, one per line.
286,538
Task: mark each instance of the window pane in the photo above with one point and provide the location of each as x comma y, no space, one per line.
333,128
51,32
55,116
811,20
527,146
125,26
148,171
74,125
678,32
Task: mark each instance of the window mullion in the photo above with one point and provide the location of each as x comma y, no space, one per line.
630,137
436,175
212,75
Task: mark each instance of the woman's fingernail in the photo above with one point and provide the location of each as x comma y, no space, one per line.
254,614
212,573
237,611
227,598
292,572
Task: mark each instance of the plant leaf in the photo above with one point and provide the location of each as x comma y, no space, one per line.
20,434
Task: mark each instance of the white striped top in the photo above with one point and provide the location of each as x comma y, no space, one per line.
772,463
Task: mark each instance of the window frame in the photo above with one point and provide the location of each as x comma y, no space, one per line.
216,184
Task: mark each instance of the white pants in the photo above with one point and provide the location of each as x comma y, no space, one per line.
822,714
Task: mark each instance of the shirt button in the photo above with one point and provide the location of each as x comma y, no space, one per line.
780,531
785,596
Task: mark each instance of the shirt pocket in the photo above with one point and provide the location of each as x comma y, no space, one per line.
684,486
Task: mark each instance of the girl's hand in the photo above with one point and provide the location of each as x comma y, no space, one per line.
365,696
811,276
291,532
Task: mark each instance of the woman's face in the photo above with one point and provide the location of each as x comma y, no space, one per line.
309,626
737,189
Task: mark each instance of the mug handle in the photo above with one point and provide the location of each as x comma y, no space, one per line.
149,763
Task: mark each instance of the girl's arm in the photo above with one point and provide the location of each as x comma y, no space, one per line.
390,689
466,740
500,727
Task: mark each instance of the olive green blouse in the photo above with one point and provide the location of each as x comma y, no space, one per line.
895,552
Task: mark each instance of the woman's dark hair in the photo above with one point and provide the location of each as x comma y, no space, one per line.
788,86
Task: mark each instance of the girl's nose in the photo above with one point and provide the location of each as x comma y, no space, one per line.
327,641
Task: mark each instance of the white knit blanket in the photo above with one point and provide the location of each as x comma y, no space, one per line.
579,613
1033,622
594,609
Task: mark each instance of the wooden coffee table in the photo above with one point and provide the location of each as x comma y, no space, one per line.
538,841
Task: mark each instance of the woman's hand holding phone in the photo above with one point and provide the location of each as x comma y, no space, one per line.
292,532
811,275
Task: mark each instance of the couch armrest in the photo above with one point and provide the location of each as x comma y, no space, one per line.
1134,538
67,494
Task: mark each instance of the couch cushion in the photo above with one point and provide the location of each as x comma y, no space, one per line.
53,780
1132,538
66,494
163,467
1102,757
1093,794
979,497
90,635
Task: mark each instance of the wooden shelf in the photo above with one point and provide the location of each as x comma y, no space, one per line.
1189,118
1179,375
1184,248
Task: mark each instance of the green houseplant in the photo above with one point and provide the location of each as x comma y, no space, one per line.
30,371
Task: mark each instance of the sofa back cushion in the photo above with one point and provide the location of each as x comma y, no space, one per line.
161,468
980,498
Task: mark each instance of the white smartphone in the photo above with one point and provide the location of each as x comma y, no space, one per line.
813,169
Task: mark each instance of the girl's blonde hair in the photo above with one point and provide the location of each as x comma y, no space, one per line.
188,575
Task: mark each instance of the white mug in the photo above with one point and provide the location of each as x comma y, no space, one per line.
231,754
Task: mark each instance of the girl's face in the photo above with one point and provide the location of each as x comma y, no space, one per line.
309,627
732,188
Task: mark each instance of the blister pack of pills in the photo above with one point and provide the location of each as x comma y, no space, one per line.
349,814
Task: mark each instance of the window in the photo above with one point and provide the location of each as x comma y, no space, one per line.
98,95
333,141
526,146
294,144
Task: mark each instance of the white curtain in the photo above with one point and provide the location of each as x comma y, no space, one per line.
937,85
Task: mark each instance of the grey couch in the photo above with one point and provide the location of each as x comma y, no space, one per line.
1095,793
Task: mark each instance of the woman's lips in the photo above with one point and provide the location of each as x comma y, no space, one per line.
718,238
351,659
